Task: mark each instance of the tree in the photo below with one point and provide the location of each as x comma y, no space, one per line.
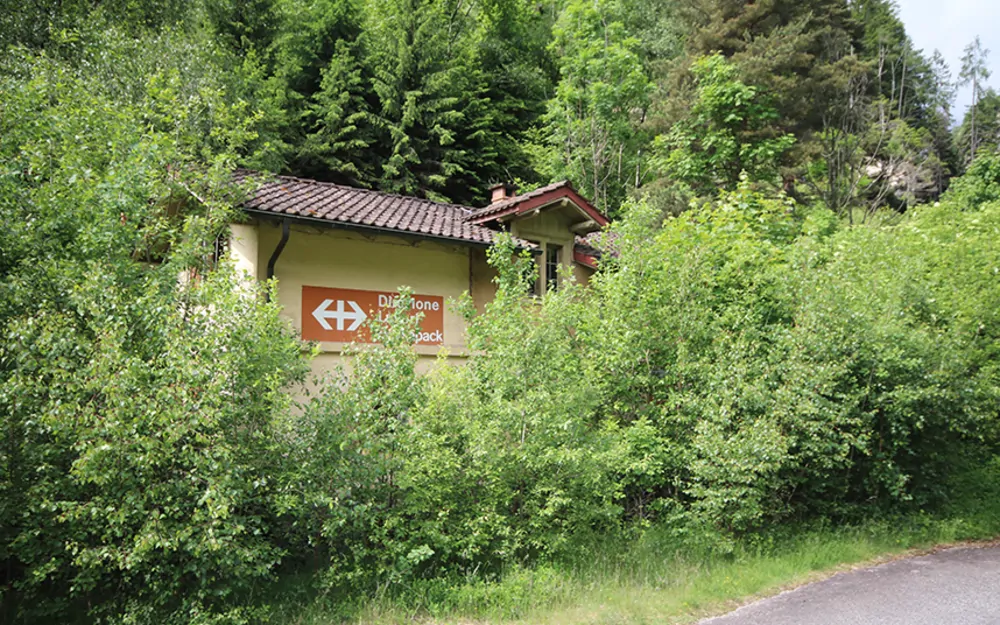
974,72
979,185
910,88
243,25
791,49
897,66
138,410
728,133
433,111
320,63
43,23
590,132
980,130
942,96
340,135
521,73
837,170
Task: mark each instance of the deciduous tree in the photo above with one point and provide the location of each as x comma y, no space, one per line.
975,73
591,129
730,131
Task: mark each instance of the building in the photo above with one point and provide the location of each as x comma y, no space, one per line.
340,254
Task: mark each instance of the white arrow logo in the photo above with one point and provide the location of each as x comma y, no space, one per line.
322,313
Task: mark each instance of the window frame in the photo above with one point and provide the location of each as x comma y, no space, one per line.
553,259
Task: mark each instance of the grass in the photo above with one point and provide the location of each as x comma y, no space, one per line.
651,580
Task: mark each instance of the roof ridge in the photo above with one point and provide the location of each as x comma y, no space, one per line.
527,195
335,203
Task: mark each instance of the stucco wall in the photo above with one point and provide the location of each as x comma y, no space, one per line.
483,287
324,257
551,227
333,258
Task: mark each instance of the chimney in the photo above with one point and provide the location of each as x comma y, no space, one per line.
500,192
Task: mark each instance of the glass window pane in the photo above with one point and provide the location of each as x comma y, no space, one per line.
552,266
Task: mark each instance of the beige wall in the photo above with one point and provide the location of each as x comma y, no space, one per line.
549,228
326,257
334,258
243,249
484,289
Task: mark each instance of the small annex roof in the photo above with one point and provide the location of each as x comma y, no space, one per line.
537,198
349,207
589,248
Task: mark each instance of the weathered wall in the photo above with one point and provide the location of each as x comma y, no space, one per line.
334,258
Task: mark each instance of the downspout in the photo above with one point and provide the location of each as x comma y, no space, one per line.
285,232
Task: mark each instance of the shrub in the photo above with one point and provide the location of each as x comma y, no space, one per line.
979,185
136,470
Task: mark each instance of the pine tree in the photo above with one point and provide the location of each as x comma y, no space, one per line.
521,72
340,137
984,117
792,49
320,61
433,110
243,25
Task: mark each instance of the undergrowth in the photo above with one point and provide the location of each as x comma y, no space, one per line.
660,574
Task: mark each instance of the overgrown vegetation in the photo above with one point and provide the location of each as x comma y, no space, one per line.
759,360
745,364
442,98
660,575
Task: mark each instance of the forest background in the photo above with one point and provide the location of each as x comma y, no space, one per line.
798,325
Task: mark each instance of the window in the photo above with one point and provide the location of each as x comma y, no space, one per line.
552,266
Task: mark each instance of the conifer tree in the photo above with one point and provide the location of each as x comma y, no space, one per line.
340,137
521,72
792,49
243,25
320,60
433,112
984,118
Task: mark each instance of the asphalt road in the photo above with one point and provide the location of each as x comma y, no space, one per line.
958,586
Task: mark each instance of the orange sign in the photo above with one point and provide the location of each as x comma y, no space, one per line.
340,314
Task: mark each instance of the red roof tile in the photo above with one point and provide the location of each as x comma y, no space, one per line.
588,249
338,204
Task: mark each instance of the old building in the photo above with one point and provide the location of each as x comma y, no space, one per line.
340,254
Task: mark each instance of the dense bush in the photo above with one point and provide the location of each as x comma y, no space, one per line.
470,468
980,185
138,458
743,364
793,369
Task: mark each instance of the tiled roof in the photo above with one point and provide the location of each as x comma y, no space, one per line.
501,206
587,244
588,249
298,197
